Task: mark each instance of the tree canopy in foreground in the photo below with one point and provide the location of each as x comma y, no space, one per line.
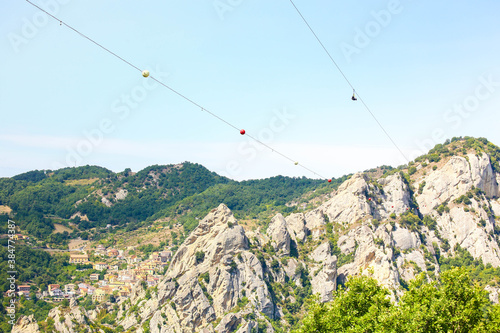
454,304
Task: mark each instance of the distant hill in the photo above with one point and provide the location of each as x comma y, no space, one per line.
90,196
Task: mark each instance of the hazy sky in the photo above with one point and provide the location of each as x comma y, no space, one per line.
428,70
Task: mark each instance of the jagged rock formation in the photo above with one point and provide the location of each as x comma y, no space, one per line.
26,324
279,234
219,247
456,178
462,225
296,226
324,273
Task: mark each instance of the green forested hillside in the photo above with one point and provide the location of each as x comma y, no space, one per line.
254,199
182,192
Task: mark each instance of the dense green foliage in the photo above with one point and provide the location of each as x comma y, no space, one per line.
463,145
483,274
36,196
454,304
34,265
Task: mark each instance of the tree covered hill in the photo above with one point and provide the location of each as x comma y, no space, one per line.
92,196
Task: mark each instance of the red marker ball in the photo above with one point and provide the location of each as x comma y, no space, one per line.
242,132
329,180
369,199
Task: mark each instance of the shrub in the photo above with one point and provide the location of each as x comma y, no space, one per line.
275,264
200,256
442,208
429,222
410,221
421,187
233,266
379,241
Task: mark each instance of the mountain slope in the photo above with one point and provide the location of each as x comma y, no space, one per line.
438,212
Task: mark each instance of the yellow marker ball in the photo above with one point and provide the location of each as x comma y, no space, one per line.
145,73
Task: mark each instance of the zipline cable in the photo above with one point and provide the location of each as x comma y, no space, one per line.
349,82
176,92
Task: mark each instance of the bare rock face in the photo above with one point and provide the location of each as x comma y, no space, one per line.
279,235
482,175
357,199
324,275
404,239
192,306
66,320
395,197
410,264
106,202
321,253
296,224
74,319
291,267
457,177
371,258
492,293
217,235
462,225
315,221
228,323
445,183
350,203
26,324
463,228
346,244
495,207
121,194
248,327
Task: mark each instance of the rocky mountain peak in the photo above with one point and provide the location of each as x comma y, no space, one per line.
279,234
455,178
216,236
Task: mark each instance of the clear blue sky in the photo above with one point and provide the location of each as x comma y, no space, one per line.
429,70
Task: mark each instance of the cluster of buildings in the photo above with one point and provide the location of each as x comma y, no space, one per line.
112,280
